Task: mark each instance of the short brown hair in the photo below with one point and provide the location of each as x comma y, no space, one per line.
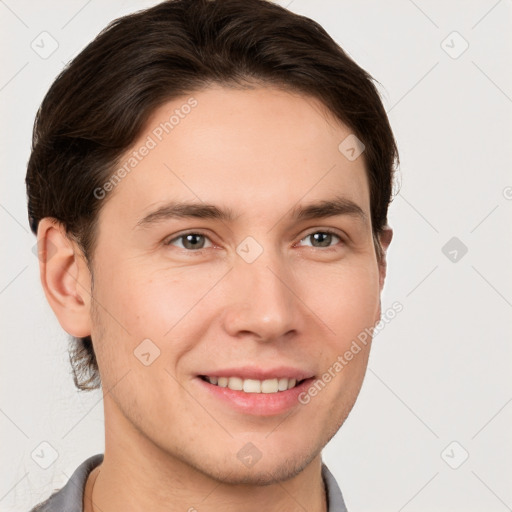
100,102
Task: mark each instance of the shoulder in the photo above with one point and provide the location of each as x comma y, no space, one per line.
335,501
70,497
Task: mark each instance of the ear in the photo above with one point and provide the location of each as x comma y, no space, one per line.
385,239
65,277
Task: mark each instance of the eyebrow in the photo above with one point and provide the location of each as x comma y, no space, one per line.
184,210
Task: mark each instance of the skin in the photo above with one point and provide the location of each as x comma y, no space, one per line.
261,152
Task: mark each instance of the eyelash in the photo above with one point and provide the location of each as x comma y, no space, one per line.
199,251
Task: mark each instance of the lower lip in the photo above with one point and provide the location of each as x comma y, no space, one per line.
259,404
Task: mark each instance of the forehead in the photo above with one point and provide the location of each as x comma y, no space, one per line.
249,149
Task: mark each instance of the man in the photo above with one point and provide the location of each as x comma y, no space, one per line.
209,185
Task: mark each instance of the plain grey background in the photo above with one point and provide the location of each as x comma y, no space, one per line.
431,428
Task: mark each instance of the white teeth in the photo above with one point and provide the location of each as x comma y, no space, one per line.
253,385
270,386
291,383
235,383
283,384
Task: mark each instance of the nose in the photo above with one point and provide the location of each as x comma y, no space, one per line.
263,303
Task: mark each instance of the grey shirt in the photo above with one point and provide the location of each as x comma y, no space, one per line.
70,497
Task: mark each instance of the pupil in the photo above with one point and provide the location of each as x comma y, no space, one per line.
192,239
326,241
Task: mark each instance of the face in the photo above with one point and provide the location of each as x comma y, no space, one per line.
264,293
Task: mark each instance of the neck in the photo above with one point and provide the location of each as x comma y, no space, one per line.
136,474
140,488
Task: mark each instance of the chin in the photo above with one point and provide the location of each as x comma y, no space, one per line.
254,462
262,473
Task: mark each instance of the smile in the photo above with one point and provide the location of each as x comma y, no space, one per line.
274,385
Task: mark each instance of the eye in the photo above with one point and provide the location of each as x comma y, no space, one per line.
322,238
195,241
191,241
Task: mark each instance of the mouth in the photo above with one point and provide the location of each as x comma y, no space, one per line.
253,397
267,386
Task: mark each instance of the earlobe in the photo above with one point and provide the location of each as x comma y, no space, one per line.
65,277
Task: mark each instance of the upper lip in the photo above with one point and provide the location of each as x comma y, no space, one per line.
258,373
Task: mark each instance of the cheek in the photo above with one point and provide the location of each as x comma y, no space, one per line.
140,303
347,299
159,303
